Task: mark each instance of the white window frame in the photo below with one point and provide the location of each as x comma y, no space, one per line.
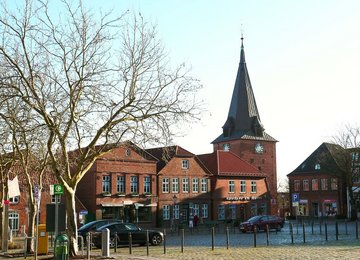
14,200
175,185
14,220
177,211
195,185
106,183
253,187
165,185
53,199
185,164
185,185
166,212
120,184
204,185
134,184
242,186
196,210
147,184
204,210
231,186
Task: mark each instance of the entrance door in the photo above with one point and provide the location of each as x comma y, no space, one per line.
315,209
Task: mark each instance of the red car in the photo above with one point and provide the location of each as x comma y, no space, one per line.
262,222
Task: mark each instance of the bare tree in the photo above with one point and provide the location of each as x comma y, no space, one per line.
92,82
348,159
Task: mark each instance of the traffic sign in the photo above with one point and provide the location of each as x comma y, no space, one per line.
56,189
295,197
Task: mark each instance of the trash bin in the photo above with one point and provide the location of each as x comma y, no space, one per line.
61,247
43,240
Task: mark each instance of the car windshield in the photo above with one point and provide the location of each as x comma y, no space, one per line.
86,226
256,218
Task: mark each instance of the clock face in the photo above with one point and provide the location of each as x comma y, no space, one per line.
259,148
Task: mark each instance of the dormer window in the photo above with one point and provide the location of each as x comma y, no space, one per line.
317,166
226,147
185,164
14,200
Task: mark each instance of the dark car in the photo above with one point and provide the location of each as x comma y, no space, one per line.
123,229
93,225
262,222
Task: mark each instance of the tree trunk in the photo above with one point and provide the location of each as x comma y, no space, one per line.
31,228
71,221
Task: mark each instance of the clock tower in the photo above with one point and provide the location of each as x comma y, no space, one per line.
244,134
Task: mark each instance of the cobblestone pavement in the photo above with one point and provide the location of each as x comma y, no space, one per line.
318,242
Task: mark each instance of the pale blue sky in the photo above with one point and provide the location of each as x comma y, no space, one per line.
302,56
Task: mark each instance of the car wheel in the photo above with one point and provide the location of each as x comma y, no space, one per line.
156,240
112,242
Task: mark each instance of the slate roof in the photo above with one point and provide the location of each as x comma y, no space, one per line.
243,121
327,156
226,163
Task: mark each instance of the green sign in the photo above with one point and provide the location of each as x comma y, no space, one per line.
58,189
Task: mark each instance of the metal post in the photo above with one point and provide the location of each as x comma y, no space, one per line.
116,239
267,235
105,243
326,234
291,233
337,230
164,241
255,228
227,238
147,242
357,229
130,243
88,245
212,238
182,240
303,226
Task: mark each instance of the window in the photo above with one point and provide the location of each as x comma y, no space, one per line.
166,212
176,211
204,185
127,152
195,185
221,212
134,184
204,211
324,184
253,186
317,166
53,199
356,175
185,185
334,183
314,184
147,184
242,186
14,200
165,185
14,220
185,164
232,211
231,187
226,147
196,210
355,156
296,185
175,185
306,185
120,184
106,183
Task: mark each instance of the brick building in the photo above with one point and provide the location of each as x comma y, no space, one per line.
121,184
239,189
317,186
244,134
184,186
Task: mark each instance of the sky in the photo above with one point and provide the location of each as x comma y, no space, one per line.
302,57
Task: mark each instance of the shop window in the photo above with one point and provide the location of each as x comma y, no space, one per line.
176,211
221,212
204,210
166,212
324,184
232,211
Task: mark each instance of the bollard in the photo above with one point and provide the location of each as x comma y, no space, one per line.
346,227
182,240
320,226
291,233
357,229
164,242
116,241
326,234
227,238
255,229
105,243
212,238
303,226
337,230
130,243
88,245
147,242
267,235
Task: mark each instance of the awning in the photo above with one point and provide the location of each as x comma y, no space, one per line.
112,204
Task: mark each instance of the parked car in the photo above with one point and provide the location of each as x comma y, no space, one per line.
262,223
93,225
123,230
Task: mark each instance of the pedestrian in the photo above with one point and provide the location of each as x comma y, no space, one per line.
196,219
